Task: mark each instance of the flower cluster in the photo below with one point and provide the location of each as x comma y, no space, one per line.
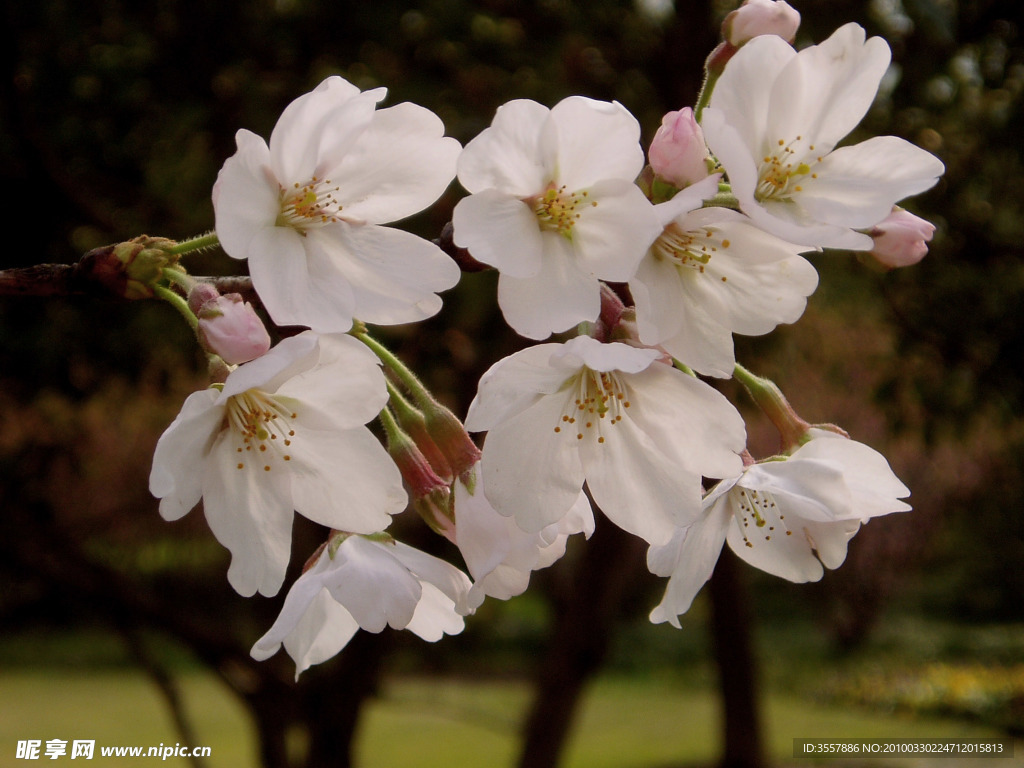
649,266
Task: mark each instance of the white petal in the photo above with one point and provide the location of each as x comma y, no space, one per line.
316,130
248,198
250,512
557,298
394,275
286,359
874,488
345,387
636,486
858,185
373,585
742,94
507,156
614,230
182,451
344,480
660,297
690,421
599,356
531,472
399,166
445,577
311,624
501,230
435,616
823,93
688,560
299,282
513,384
595,140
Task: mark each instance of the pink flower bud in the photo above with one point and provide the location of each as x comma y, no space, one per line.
678,151
230,328
761,17
901,239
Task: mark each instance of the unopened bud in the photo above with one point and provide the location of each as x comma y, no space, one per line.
431,496
761,17
230,328
143,260
678,153
901,239
451,437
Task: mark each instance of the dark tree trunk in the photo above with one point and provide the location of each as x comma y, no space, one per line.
579,639
737,667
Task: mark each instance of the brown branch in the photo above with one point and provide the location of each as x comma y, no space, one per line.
99,273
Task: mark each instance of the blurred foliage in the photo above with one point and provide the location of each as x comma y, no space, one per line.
115,118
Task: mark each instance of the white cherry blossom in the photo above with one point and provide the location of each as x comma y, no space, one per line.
306,209
639,432
712,273
366,584
791,518
286,433
499,554
554,208
774,121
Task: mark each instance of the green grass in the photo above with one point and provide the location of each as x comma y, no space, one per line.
434,723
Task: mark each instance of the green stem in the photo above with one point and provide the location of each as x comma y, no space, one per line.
683,367
178,303
179,278
202,242
773,403
704,98
404,375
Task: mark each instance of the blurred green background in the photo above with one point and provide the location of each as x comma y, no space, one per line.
115,119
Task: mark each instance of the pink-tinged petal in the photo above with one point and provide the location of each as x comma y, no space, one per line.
434,616
614,230
595,140
638,487
531,472
501,230
688,560
394,276
346,400
399,166
557,298
858,185
506,156
372,585
249,511
248,198
691,422
825,91
343,480
316,130
742,95
181,453
513,384
286,359
298,281
782,548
